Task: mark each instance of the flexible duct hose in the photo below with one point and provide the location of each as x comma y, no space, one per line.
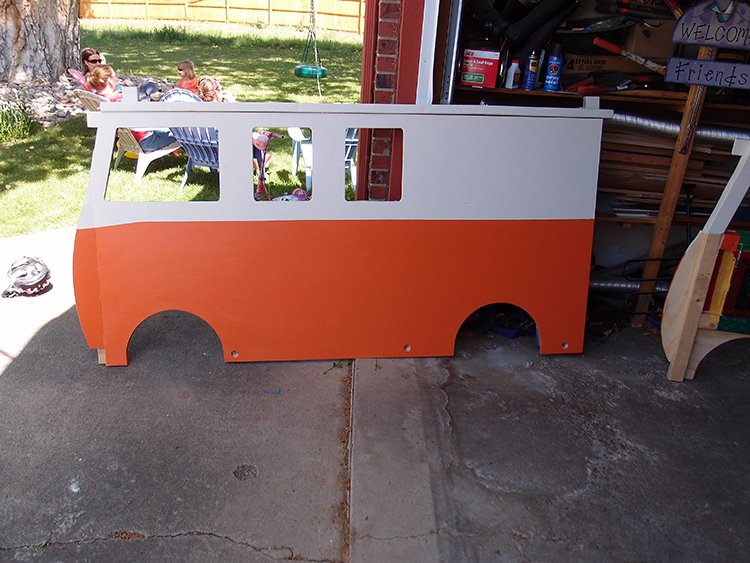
665,128
622,286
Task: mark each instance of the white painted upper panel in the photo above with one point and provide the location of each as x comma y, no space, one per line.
459,162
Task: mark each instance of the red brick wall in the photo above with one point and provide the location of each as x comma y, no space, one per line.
389,75
384,92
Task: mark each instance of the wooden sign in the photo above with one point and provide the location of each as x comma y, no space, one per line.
717,23
708,73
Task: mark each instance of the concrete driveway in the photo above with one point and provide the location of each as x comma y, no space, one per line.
496,454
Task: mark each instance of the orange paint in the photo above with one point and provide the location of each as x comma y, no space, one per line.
291,290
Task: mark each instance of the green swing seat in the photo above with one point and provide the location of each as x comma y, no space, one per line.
310,71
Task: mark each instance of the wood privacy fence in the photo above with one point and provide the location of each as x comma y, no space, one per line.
338,15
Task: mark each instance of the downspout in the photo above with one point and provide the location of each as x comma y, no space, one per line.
427,53
451,55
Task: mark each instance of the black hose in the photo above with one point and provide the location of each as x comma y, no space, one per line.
542,13
539,38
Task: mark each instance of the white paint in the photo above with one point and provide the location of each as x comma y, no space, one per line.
459,162
427,52
733,193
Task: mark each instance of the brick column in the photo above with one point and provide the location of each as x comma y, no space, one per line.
385,57
386,51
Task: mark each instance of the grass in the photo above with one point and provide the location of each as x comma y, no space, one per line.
43,177
255,64
15,122
162,181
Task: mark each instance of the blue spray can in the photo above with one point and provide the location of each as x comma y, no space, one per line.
554,69
532,68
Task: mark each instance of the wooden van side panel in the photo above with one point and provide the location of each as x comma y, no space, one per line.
87,288
291,290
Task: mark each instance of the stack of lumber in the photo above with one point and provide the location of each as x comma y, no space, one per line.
633,171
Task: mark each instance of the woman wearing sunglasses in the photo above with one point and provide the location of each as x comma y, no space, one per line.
91,58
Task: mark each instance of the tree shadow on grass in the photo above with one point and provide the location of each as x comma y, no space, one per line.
57,153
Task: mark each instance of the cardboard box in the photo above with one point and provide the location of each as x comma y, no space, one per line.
479,68
582,64
651,43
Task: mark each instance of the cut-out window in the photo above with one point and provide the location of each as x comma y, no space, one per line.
380,151
177,164
282,163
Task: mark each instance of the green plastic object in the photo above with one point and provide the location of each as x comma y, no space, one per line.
734,324
310,71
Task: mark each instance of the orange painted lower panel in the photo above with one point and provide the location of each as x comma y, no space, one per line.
299,290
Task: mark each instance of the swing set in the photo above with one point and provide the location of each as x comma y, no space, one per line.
305,70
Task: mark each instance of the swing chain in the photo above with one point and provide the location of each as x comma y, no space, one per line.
311,38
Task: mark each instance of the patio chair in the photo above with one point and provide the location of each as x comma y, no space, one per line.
201,145
126,141
80,78
90,101
301,147
350,153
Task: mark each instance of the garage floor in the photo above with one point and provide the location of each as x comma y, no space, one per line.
496,454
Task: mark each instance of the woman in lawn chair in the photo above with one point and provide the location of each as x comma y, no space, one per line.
91,58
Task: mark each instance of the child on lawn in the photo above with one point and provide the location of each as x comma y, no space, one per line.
188,80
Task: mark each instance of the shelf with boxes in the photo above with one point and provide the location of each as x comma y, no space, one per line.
634,164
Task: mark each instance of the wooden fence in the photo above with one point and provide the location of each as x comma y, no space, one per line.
337,15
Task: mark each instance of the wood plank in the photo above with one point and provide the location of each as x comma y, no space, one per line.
706,341
685,300
625,147
644,158
683,147
634,138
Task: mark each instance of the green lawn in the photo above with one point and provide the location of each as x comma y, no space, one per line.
255,64
43,177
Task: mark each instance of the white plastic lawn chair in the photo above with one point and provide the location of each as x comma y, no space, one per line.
90,101
126,141
350,156
301,147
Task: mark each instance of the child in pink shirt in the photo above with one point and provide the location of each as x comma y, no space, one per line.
103,80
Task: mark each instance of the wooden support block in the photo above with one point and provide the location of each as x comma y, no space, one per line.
707,340
682,311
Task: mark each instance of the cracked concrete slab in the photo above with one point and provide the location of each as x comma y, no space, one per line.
247,456
179,456
528,458
392,513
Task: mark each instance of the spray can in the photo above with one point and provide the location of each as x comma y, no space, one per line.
513,78
532,68
554,69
